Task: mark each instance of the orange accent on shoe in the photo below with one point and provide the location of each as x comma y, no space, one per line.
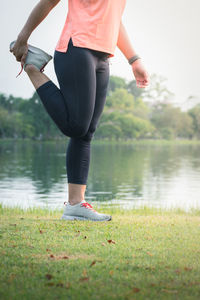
42,69
20,70
87,205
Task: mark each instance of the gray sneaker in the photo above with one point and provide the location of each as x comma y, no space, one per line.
36,57
83,211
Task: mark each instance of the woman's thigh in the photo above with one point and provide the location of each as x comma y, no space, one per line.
102,80
76,74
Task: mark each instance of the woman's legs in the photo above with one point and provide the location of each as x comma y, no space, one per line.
75,107
78,151
37,78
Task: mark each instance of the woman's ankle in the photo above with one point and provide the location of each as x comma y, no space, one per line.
74,202
30,68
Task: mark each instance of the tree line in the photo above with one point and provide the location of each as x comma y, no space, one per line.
129,113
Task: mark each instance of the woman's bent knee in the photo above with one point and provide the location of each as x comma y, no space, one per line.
75,131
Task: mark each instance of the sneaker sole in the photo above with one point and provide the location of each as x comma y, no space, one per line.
71,218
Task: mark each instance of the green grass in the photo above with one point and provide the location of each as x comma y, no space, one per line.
154,254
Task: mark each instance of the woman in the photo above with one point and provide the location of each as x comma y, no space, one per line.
92,30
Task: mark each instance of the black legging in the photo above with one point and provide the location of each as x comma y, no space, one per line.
76,107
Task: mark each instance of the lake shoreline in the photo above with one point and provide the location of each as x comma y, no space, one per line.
143,210
114,142
152,173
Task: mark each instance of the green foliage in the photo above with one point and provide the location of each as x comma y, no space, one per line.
134,90
171,122
25,118
129,113
120,100
157,90
194,113
115,82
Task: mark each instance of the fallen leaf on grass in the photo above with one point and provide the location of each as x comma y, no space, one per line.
12,276
149,253
93,263
187,268
59,256
136,290
49,276
50,284
78,233
67,285
84,279
111,241
84,273
111,272
192,283
169,291
152,284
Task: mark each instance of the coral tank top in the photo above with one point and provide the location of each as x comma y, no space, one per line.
92,24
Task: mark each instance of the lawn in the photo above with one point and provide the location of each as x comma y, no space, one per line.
140,254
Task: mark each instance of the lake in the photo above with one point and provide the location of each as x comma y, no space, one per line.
33,173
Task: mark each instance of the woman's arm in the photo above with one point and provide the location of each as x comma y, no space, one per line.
38,14
125,46
124,43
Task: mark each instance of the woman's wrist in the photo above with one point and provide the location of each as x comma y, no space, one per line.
133,58
22,38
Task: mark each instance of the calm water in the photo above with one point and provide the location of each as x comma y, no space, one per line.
34,174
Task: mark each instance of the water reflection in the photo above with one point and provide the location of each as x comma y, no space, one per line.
34,174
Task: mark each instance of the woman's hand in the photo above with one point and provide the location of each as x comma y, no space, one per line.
141,75
40,11
20,51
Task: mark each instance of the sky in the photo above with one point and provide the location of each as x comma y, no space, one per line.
165,33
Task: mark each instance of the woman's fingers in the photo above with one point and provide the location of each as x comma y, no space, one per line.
142,83
18,57
23,59
19,53
141,75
